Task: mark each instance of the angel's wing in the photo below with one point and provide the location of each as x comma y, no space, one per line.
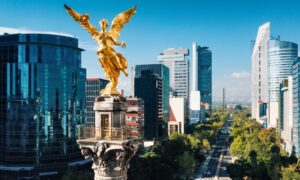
119,21
84,22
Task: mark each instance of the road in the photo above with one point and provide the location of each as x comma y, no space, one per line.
219,159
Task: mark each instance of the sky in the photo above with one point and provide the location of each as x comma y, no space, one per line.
226,26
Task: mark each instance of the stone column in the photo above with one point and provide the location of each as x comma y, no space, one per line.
109,148
110,159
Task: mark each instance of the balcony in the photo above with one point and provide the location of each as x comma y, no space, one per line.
111,134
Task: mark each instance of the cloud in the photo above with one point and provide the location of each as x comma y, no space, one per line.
237,89
11,30
89,46
237,85
240,74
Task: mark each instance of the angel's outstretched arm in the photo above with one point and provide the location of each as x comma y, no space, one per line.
83,20
123,44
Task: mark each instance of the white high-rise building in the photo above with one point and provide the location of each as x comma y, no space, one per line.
177,62
260,70
132,75
195,99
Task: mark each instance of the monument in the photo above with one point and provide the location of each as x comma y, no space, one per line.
107,142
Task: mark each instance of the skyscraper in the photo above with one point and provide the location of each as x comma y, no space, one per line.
205,75
93,88
163,72
195,99
281,55
296,106
148,87
201,82
260,70
42,102
177,62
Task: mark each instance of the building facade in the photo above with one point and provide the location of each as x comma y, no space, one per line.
178,63
296,106
93,88
148,87
177,115
163,72
260,70
135,117
281,55
205,76
201,83
195,98
42,102
286,113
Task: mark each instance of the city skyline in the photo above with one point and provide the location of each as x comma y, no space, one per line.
203,22
212,89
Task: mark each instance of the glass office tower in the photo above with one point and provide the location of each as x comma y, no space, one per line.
281,55
42,102
163,72
205,75
148,86
296,106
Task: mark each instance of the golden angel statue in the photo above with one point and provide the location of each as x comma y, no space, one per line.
111,61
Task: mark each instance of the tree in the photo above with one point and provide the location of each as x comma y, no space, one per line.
290,173
149,167
206,145
257,149
253,156
74,175
274,162
236,147
186,164
235,171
